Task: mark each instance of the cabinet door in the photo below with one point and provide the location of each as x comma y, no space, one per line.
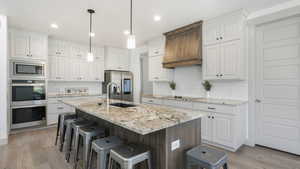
211,33
52,113
98,69
58,68
112,60
206,128
211,67
124,62
38,46
223,129
19,44
230,60
75,69
231,28
154,67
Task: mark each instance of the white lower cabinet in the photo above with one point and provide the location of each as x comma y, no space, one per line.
225,126
54,108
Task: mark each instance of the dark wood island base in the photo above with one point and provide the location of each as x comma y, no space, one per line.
189,135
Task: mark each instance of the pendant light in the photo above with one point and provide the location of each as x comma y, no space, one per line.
90,55
131,37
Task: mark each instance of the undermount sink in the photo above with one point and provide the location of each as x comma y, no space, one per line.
122,105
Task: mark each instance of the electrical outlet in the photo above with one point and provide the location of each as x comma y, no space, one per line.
175,145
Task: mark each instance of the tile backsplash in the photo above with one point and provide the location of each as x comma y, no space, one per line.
90,88
189,83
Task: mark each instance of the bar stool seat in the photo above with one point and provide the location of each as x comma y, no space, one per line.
206,157
102,147
60,125
88,134
129,155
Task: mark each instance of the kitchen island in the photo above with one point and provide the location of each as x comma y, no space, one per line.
152,125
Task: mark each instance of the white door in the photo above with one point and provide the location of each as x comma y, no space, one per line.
223,129
38,47
211,62
278,85
230,53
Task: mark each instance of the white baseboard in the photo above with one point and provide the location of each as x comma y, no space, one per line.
3,141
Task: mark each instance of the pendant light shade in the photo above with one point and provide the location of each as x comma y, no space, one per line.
90,55
131,38
131,42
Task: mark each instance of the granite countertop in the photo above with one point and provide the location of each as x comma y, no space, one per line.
57,95
142,119
231,102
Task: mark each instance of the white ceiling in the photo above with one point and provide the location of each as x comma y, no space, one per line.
112,16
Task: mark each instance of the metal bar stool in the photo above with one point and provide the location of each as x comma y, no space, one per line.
87,135
206,157
102,147
60,125
75,133
68,136
127,156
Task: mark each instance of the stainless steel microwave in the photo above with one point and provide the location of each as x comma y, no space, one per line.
26,69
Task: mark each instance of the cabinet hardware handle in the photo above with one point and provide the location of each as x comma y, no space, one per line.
217,38
217,75
213,117
221,38
60,108
151,101
221,75
209,117
211,108
257,101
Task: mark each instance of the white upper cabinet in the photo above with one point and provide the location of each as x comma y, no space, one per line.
117,59
223,56
59,48
28,45
67,62
156,70
156,49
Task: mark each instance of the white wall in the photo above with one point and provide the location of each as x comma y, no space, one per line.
189,83
3,81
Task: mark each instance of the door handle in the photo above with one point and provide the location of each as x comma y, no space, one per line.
257,101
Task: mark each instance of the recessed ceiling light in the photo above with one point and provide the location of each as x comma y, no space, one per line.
157,18
126,32
92,34
55,26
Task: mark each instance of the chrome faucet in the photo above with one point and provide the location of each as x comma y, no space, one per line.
108,91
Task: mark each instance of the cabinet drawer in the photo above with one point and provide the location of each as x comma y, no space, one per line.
151,101
214,108
179,104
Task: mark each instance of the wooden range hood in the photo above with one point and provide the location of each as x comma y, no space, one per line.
183,46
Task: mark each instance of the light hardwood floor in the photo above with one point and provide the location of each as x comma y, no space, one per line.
36,150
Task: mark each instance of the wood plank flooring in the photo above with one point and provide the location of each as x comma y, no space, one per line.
36,150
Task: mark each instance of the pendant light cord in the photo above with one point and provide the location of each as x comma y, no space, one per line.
90,33
130,17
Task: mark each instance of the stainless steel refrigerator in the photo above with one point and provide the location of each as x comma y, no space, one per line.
123,90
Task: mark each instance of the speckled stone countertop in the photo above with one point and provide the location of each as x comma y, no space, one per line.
142,119
201,100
